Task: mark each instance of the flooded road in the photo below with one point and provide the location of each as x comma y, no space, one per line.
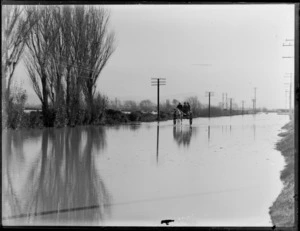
219,172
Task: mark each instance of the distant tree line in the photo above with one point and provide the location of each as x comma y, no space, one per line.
67,50
167,106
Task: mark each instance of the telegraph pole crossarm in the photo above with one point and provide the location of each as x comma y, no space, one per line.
289,44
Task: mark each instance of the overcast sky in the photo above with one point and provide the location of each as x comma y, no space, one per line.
197,48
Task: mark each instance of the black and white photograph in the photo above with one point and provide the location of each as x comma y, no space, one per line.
149,115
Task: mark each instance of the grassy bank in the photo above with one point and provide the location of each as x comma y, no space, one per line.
282,211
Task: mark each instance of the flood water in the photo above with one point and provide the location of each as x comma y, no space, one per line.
218,172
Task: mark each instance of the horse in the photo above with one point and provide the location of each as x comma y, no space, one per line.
177,115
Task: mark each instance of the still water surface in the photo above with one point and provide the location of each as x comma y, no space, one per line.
219,172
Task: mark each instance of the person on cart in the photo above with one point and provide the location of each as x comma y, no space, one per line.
183,112
185,108
179,106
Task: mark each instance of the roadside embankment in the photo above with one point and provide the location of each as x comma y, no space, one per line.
283,209
33,118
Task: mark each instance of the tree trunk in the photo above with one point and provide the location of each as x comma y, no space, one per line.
45,105
91,105
68,97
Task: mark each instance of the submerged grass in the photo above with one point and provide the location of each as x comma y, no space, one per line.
282,211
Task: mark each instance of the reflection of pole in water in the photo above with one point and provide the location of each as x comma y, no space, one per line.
230,128
254,117
254,131
208,133
157,143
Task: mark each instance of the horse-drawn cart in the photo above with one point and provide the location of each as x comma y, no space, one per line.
178,115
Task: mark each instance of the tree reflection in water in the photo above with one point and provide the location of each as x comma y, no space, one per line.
63,184
13,158
182,135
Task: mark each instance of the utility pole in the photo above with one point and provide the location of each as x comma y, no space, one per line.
226,102
290,96
222,101
157,144
230,106
254,101
286,97
290,44
243,107
209,94
158,82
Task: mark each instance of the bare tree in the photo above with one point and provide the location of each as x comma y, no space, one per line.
87,46
146,105
195,105
101,104
78,54
130,105
38,59
16,24
115,104
56,66
175,102
67,50
99,45
166,106
62,70
68,55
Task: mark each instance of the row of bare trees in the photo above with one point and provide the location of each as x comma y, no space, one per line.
66,48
